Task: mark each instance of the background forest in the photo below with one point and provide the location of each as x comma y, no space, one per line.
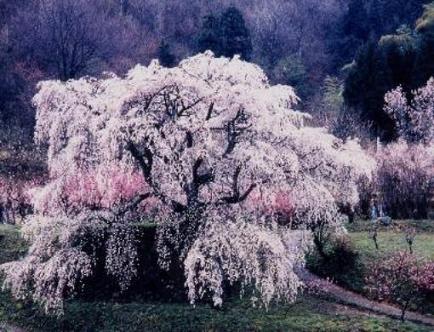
342,56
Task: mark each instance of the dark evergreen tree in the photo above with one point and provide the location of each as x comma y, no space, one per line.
226,36
369,20
365,87
10,87
124,4
165,56
425,58
235,36
404,58
209,36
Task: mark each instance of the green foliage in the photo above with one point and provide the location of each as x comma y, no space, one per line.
333,94
292,71
341,262
331,111
235,36
425,60
367,83
226,35
12,245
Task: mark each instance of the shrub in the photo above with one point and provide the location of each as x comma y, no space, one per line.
340,262
401,278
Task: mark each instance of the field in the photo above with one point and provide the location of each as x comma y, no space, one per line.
390,242
309,313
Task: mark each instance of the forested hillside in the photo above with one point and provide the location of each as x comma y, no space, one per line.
299,43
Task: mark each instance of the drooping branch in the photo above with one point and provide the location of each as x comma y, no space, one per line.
143,101
185,108
201,179
175,105
234,129
192,189
133,204
209,113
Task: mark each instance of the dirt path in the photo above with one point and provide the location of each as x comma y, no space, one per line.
350,298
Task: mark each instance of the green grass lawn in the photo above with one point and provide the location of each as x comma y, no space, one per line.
390,242
422,226
392,238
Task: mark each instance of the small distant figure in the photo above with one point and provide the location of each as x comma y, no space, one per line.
377,211
373,208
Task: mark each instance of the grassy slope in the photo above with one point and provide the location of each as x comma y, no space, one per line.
307,314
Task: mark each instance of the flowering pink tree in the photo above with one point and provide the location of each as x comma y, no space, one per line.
92,188
406,168
403,177
414,119
401,278
221,156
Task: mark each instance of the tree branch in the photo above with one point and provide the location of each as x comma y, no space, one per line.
236,197
209,113
133,204
145,162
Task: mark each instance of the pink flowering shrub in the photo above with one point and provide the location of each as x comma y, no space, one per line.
279,204
401,278
96,188
425,280
405,174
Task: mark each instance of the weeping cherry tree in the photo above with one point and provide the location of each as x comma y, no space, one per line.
214,154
